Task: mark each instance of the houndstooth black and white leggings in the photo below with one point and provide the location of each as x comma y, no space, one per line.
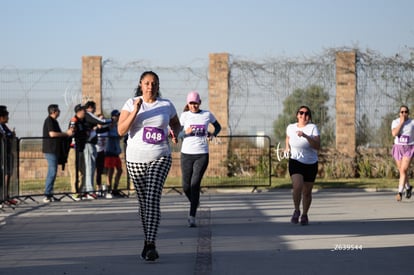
148,179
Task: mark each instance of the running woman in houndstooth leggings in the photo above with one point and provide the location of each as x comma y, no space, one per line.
146,118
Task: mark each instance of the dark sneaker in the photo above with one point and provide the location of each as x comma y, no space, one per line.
399,196
144,251
191,221
152,253
408,192
295,217
304,220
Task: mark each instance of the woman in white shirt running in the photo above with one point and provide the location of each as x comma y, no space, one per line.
302,143
402,130
146,119
194,150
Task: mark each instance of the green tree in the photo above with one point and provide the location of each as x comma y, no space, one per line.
364,131
315,98
384,136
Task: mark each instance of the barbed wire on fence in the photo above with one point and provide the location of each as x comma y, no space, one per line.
257,88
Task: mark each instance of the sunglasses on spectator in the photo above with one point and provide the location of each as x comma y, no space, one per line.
302,112
404,112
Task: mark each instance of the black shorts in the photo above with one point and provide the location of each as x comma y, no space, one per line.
308,171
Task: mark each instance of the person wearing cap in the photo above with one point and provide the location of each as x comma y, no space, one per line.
76,161
52,147
90,153
194,149
7,137
146,119
112,159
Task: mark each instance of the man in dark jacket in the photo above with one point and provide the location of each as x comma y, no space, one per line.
90,153
53,140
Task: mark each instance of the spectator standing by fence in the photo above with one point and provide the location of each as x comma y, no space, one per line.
54,142
76,160
148,155
302,143
194,150
112,160
402,130
7,137
90,154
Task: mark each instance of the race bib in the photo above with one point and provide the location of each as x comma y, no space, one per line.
403,139
153,135
198,130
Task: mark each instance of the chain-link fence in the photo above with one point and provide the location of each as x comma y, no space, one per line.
258,92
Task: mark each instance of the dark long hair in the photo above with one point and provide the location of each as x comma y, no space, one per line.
138,90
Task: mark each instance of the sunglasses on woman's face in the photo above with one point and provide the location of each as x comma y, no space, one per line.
303,113
404,112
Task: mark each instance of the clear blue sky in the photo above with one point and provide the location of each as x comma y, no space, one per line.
56,33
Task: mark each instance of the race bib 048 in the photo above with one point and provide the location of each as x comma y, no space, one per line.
153,135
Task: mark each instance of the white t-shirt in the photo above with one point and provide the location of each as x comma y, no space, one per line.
196,142
148,135
300,148
406,136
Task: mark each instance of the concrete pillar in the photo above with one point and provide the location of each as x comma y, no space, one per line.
346,103
92,80
218,89
218,97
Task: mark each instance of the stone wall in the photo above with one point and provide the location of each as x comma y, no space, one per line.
92,80
346,103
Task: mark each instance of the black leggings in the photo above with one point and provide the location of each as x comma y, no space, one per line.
192,170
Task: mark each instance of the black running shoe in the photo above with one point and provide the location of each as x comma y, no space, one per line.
295,217
152,253
304,220
408,192
144,251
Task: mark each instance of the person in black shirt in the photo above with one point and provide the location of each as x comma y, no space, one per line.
53,147
76,161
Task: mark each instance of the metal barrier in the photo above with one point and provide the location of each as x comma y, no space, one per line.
33,169
235,161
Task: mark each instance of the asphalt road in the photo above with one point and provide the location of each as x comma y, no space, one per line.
350,232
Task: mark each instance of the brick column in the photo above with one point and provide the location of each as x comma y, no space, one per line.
92,80
218,97
346,103
218,89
